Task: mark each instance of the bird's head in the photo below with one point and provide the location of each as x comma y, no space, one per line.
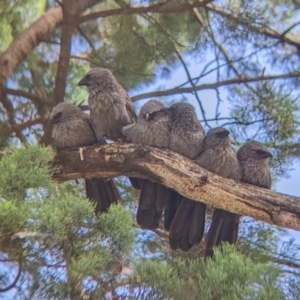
64,111
217,137
97,77
253,150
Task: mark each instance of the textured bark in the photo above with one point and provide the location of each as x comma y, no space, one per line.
182,175
27,41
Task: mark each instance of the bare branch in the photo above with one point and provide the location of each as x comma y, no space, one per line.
215,85
6,132
266,32
11,118
182,175
156,8
27,95
13,284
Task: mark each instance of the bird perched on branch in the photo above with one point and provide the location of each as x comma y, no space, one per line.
218,156
184,218
152,129
71,128
110,107
253,157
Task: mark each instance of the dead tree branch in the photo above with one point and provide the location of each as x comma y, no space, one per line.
182,175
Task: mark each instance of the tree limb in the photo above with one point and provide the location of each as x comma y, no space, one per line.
6,132
32,97
215,85
27,41
155,8
182,175
266,32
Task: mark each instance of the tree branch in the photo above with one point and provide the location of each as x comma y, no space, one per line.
156,8
215,85
27,40
266,32
27,95
182,175
6,132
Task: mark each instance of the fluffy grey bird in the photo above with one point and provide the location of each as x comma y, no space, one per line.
253,158
218,156
184,218
71,128
152,129
110,107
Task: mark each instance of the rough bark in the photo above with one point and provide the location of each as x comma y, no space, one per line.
182,175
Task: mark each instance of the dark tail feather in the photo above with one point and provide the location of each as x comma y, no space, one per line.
213,232
197,225
187,227
230,229
145,212
179,229
224,228
185,244
102,192
112,190
161,197
136,182
152,201
184,213
172,205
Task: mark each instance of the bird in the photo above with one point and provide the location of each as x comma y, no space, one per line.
71,128
110,107
253,158
218,156
184,218
152,129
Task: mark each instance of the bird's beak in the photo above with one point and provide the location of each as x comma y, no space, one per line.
83,81
55,118
266,154
147,116
223,133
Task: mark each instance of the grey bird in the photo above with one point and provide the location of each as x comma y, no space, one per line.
152,129
184,218
218,156
253,158
110,107
71,128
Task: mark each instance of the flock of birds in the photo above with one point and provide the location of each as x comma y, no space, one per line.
112,116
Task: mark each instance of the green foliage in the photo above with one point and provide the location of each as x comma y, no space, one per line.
53,229
25,168
227,276
17,15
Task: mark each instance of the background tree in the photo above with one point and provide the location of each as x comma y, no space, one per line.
247,54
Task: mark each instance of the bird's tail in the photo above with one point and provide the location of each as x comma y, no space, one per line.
224,228
172,205
102,192
187,227
152,201
136,182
